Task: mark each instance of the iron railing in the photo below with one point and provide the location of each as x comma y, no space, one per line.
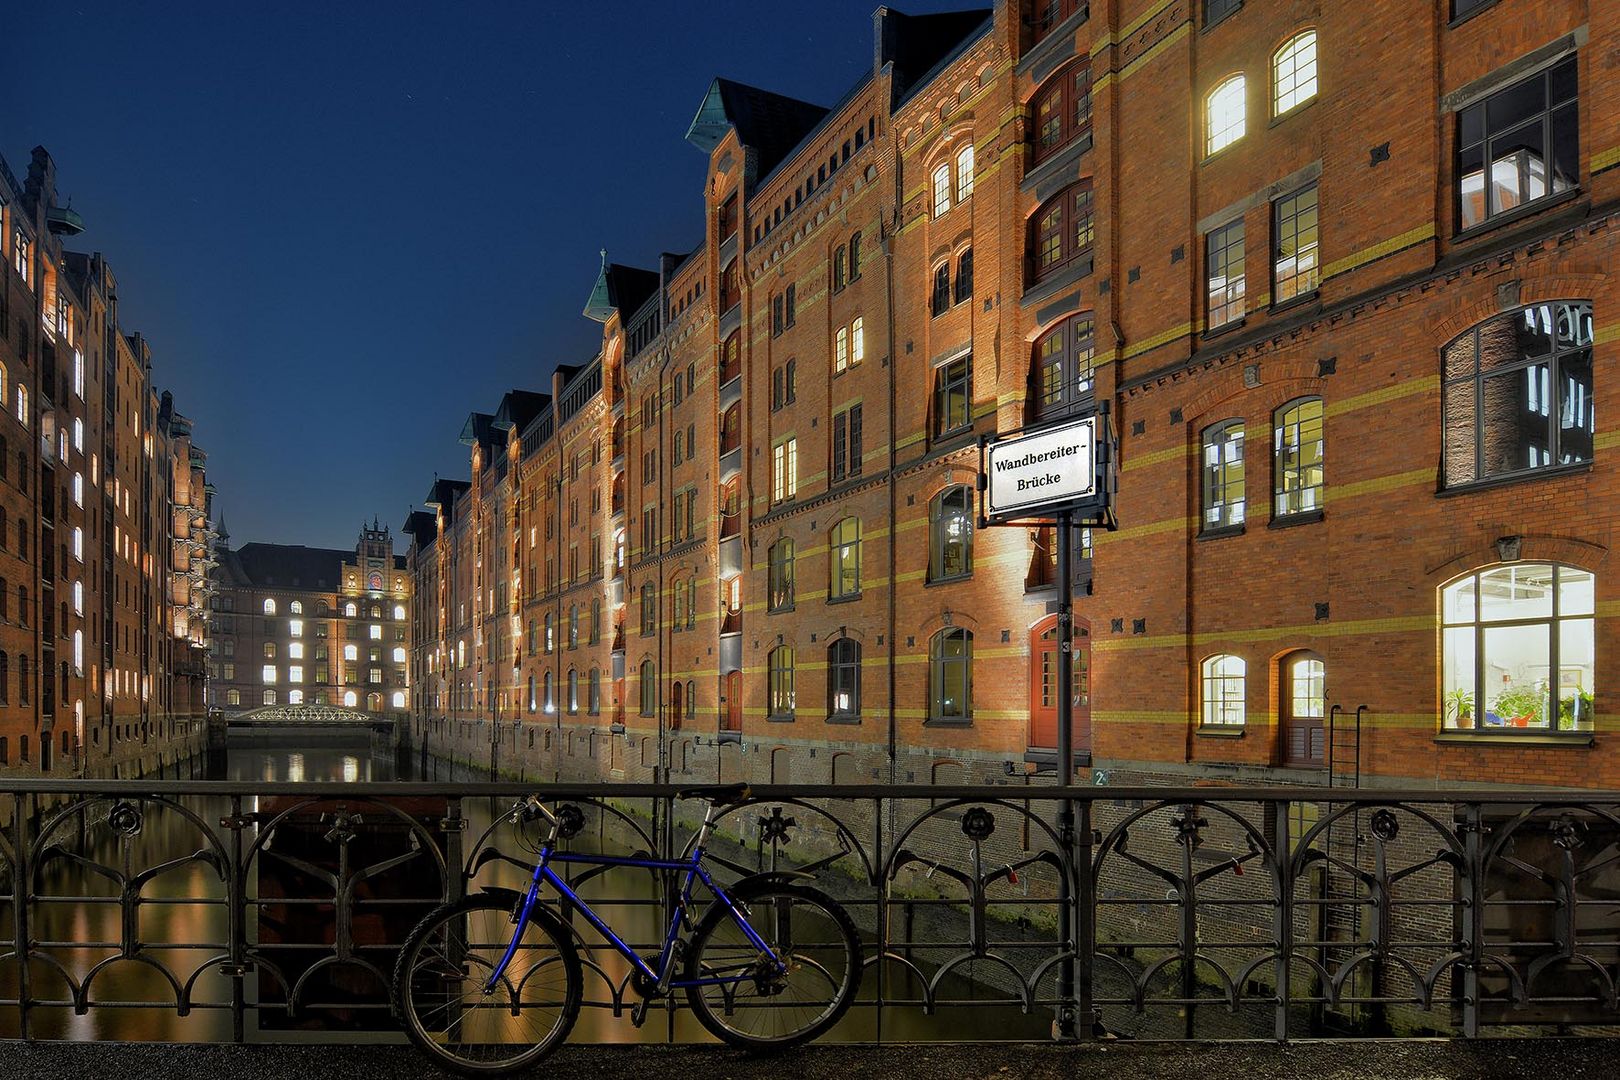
229,910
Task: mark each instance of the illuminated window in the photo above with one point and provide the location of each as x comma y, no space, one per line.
780,699
399,611
351,609
1223,115
268,697
269,650
844,679
953,390
1222,469
964,172
1063,373
78,543
295,673
399,699
78,598
78,489
351,652
350,698
942,188
1298,454
1294,268
269,673
295,650
1062,110
78,434
374,632
295,627
841,350
78,652
399,654
1224,278
780,575
1224,681
844,553
1293,73
269,606
1518,145
785,470
950,530
857,341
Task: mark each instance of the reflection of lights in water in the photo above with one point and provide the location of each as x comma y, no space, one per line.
295,768
269,771
351,768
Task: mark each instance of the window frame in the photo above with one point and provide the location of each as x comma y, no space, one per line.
941,188
953,377
1072,111
780,697
1279,425
1289,52
1216,700
781,576
1286,215
1064,225
940,663
939,517
1487,137
1216,479
964,177
1232,132
1074,398
1219,257
844,560
844,666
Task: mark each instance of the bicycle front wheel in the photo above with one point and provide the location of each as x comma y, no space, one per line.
757,1006
440,987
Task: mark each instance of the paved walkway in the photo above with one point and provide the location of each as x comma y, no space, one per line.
1412,1059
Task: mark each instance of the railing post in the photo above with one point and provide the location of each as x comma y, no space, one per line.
455,885
1086,916
1473,921
1283,924
20,899
236,918
881,919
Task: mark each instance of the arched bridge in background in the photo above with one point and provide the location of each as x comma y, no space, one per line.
305,725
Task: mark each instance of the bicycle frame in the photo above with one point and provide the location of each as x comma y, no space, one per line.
663,975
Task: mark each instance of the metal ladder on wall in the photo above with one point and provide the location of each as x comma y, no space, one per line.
1341,919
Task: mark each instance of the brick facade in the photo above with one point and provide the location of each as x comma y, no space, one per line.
968,135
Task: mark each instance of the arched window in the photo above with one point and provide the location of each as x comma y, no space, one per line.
855,256
233,697
840,268
573,626
350,698
844,555
269,650
1224,682
399,611
399,699
1293,73
649,689
24,678
780,576
1504,631
548,639
269,606
351,609
1062,374
1221,468
1045,15
1297,458
295,697
1062,231
779,696
593,700
573,691
950,675
950,534
1062,110
596,620
942,188
964,171
321,608
268,697
964,277
549,701
649,608
1224,115
5,679
844,679
534,700
295,608
731,358
351,652
399,654
940,302
1517,393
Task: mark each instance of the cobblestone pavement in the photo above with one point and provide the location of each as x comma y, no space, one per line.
1411,1059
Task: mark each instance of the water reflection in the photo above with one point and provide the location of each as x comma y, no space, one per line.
175,949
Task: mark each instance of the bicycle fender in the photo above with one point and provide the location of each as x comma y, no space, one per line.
510,896
769,877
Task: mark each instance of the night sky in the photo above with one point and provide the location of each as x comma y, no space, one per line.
344,230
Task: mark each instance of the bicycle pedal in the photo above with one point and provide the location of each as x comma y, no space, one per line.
638,1012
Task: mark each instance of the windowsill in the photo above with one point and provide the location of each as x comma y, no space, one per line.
1294,302
728,737
783,610
961,435
844,718
1568,740
1057,162
780,719
1055,281
1208,26
948,721
1518,213
1221,533
1294,111
1288,521
850,599
1209,731
617,729
1460,19
1550,472
1225,328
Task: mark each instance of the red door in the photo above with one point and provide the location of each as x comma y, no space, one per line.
1043,684
1304,709
731,701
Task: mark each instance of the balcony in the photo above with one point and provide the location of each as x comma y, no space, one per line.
731,643
731,525
730,464
730,384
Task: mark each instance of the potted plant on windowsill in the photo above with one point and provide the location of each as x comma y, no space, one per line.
1575,712
1460,708
1523,705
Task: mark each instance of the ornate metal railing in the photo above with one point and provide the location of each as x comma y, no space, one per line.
227,910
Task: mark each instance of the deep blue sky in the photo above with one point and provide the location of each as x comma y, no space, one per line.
344,226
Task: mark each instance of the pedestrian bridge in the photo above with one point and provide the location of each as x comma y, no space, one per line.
306,725
302,715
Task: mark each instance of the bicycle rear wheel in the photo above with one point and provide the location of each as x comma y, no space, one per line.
440,996
770,1010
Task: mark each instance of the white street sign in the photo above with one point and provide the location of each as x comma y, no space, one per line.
1052,466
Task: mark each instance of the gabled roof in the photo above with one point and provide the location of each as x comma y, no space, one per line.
772,124
920,45
479,430
518,407
285,566
442,495
423,526
620,289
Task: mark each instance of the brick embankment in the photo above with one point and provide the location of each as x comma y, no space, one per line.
1412,1059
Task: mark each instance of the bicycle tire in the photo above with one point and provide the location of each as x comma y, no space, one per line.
426,977
716,1007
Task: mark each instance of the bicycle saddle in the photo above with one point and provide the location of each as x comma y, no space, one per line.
718,794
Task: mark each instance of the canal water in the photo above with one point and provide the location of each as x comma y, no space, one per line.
79,931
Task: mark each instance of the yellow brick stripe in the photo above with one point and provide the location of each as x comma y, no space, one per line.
1379,250
1423,384
1605,159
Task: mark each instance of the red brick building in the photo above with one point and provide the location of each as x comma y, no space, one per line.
1344,281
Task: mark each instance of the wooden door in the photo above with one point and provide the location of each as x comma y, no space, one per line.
731,701
1304,709
1043,685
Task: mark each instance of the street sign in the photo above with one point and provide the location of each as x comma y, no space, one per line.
1039,473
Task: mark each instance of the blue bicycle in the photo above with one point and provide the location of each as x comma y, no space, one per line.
493,983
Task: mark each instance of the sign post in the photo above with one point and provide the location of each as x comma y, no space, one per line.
1063,473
